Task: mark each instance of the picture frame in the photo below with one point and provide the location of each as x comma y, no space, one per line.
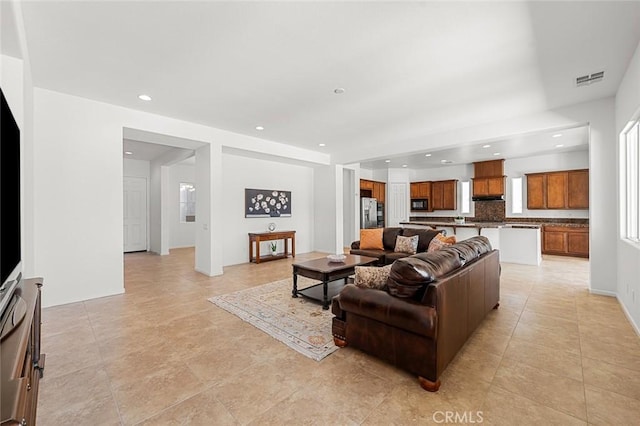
267,203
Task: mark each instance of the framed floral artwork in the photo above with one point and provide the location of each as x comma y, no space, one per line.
267,203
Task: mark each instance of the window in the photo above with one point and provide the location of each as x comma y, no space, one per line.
466,208
187,202
630,185
516,195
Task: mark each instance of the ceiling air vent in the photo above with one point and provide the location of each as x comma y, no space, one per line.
585,80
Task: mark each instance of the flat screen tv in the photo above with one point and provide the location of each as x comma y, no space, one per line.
10,247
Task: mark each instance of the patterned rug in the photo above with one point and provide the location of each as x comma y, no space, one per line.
299,323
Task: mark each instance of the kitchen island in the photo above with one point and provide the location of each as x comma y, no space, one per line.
517,242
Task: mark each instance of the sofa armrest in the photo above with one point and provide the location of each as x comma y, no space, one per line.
355,245
381,306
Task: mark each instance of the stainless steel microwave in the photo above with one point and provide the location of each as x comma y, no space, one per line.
418,204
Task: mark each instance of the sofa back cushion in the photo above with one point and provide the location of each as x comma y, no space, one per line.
389,236
409,275
424,237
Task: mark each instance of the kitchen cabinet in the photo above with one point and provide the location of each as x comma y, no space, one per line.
379,190
488,178
420,189
373,189
488,186
567,189
493,168
366,184
578,189
444,195
535,191
565,240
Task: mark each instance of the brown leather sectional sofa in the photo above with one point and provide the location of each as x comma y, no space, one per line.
388,256
431,304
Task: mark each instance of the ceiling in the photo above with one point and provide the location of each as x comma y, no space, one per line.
408,69
567,140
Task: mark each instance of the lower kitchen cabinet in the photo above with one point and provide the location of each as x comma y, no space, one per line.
565,240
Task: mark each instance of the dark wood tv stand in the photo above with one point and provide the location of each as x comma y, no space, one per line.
21,362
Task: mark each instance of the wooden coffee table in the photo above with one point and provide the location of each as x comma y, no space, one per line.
331,275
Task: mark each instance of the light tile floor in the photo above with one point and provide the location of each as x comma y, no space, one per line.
161,354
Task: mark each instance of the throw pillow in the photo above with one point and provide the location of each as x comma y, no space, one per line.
407,245
371,239
440,241
371,276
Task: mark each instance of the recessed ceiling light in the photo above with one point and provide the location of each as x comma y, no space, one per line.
486,146
559,145
427,155
387,161
338,91
322,144
404,165
259,128
557,135
144,97
128,153
496,153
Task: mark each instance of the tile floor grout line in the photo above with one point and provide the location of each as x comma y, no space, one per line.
103,366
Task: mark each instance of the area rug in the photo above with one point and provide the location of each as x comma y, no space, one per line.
298,322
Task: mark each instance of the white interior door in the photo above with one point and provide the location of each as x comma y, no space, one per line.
397,208
135,214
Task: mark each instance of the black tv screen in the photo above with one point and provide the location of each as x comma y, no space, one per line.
10,249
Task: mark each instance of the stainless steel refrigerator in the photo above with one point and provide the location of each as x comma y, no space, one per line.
368,213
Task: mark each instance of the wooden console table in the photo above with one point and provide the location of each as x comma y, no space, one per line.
270,236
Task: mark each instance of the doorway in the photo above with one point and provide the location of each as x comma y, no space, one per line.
135,214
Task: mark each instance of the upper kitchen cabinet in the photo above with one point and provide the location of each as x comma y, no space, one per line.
488,186
366,184
578,189
566,189
373,189
488,178
420,189
444,195
379,190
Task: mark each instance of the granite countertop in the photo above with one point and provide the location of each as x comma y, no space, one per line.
507,222
468,224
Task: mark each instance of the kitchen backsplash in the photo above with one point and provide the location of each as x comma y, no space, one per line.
490,211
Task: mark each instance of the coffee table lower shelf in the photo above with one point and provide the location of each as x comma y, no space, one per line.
316,292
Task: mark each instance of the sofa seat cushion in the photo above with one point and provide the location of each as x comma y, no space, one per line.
380,306
380,254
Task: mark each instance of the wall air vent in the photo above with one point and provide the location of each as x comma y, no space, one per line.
586,80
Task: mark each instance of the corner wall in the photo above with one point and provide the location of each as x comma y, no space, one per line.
78,181
627,107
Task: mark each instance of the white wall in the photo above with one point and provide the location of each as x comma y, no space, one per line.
324,209
627,107
240,173
180,234
78,151
136,168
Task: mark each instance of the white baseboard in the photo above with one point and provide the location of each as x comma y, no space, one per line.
629,317
604,293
